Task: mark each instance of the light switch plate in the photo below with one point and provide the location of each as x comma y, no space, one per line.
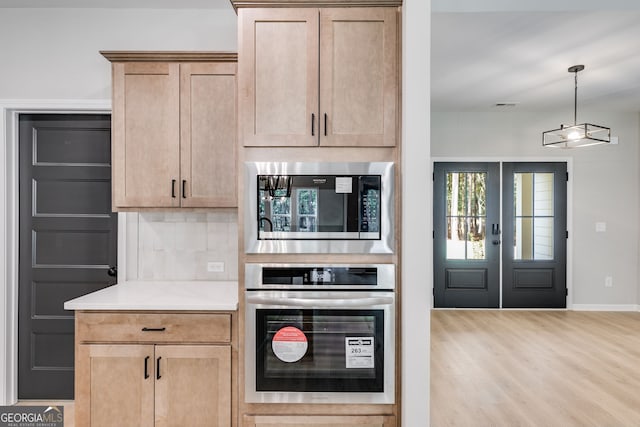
215,267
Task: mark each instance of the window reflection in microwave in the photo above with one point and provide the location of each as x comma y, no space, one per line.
304,203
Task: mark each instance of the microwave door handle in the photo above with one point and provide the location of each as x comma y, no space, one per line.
321,302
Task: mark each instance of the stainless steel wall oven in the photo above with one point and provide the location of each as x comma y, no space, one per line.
320,333
296,207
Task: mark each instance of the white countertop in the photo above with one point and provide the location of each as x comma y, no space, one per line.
153,295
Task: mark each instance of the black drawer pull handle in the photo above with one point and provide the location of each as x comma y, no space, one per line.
145,329
184,188
158,368
146,367
173,188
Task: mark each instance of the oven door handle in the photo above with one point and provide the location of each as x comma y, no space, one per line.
321,302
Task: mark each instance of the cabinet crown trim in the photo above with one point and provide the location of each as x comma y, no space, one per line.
315,3
164,56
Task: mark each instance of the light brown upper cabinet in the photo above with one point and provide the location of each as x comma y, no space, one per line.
173,131
318,76
208,135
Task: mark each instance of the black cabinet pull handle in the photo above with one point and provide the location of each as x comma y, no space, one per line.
158,368
184,188
173,188
313,124
145,329
325,124
146,367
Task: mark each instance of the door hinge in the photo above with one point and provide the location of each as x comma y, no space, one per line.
566,292
433,176
567,234
567,176
434,234
433,291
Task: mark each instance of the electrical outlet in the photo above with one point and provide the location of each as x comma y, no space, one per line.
215,267
608,282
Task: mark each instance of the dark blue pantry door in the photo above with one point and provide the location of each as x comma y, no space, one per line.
67,238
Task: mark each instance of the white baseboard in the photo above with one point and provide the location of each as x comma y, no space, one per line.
605,307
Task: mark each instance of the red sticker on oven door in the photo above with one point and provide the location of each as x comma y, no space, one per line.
289,344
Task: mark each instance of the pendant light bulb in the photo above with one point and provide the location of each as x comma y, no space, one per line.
574,136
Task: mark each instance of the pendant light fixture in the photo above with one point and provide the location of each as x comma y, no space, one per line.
576,135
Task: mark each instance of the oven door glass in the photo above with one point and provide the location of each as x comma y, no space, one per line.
319,350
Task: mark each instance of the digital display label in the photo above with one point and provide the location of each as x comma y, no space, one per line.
359,352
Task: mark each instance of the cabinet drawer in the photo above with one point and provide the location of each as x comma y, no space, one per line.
153,327
319,421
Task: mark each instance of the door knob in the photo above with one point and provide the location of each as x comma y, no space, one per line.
496,242
113,271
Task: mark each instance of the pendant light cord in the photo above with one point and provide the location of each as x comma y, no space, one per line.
575,99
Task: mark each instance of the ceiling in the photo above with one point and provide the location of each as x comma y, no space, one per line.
119,4
486,52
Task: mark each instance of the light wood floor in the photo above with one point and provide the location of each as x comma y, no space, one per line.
535,368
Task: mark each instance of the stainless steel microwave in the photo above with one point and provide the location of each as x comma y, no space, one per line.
326,207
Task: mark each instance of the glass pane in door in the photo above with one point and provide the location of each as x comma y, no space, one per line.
533,216
476,237
466,215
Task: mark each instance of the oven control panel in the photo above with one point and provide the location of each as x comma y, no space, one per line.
306,276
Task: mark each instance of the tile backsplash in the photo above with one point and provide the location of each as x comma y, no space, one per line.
179,245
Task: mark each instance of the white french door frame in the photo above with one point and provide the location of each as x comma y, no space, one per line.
9,218
501,160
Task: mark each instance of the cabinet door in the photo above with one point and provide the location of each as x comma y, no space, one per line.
318,421
208,135
193,386
358,76
146,134
117,386
278,76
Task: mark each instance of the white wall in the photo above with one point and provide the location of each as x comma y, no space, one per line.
605,188
53,53
416,251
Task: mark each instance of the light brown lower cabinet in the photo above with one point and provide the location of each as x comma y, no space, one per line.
152,384
319,421
119,393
